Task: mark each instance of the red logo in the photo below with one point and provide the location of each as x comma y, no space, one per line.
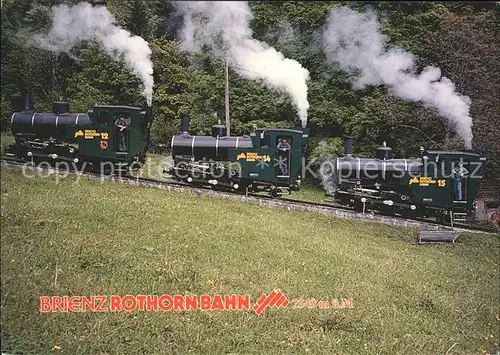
104,145
275,299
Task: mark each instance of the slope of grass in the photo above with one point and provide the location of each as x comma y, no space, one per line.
89,238
154,166
308,192
5,139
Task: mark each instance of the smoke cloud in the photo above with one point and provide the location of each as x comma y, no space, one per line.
354,42
225,26
83,22
327,174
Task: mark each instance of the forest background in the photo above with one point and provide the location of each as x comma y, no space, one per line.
462,39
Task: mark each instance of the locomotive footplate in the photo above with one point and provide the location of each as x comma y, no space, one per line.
192,176
42,151
357,200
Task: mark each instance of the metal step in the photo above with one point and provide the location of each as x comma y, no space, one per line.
438,236
460,217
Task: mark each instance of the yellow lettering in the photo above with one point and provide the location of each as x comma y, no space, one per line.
253,157
78,133
91,133
426,181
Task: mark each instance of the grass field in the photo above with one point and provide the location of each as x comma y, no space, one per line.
90,238
5,139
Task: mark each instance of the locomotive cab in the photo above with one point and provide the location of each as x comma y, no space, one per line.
449,183
275,158
115,140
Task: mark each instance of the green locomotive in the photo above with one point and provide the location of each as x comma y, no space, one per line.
442,184
93,140
268,159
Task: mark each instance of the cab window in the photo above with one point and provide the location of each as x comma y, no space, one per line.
264,142
104,118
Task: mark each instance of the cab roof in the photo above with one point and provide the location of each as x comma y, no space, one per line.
455,152
129,108
281,130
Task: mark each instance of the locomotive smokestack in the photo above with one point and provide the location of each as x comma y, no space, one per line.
27,100
347,146
184,124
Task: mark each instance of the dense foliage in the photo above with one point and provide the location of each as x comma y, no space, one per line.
461,39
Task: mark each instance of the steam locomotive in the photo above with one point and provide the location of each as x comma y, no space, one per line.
86,140
245,163
438,184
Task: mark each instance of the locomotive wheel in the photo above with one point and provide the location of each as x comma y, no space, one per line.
444,218
106,171
134,169
275,192
386,211
134,173
241,188
357,206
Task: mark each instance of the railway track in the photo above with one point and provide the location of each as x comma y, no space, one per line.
284,203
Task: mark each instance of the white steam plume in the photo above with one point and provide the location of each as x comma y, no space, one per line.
83,22
355,43
225,26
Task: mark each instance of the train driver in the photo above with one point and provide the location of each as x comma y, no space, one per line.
122,125
423,152
459,172
283,151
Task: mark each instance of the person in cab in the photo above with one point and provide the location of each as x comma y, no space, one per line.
283,153
122,126
459,173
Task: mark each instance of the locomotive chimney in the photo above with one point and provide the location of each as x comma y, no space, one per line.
184,124
27,100
347,146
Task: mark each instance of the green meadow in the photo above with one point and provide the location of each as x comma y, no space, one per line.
76,237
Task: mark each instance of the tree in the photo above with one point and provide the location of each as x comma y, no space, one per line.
171,95
467,48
